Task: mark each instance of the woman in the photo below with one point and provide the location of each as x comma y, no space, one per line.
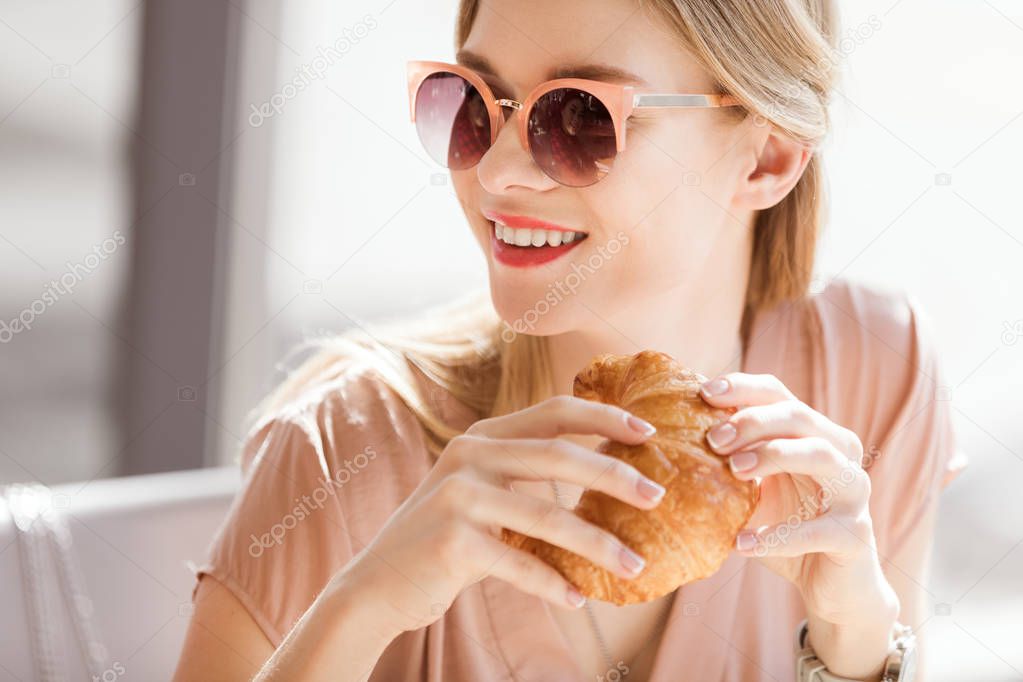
364,543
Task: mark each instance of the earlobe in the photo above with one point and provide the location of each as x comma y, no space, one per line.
780,164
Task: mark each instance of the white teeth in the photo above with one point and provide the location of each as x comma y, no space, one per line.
523,236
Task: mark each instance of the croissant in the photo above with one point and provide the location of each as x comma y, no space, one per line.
690,533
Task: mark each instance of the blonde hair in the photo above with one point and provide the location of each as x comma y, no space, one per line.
785,82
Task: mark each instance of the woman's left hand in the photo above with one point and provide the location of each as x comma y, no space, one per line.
812,524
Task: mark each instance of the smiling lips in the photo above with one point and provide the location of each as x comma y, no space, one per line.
521,241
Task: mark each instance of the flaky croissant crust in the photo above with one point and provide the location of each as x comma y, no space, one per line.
690,533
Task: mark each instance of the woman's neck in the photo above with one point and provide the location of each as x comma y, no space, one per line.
700,329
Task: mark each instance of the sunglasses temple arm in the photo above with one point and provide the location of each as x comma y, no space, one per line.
659,101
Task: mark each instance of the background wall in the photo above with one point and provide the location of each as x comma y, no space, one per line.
320,221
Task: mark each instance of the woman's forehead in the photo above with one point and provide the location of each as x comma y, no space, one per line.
519,43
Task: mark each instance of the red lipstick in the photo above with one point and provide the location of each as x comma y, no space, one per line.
526,256
525,221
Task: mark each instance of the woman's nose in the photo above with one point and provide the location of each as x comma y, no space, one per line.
506,165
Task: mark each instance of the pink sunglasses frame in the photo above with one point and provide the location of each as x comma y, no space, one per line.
621,100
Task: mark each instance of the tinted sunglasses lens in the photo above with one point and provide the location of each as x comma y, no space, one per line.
452,121
572,137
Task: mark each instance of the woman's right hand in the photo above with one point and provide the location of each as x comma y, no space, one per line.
446,535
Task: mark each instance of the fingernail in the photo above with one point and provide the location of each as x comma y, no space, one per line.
640,426
742,461
715,387
649,489
574,597
721,435
745,541
632,562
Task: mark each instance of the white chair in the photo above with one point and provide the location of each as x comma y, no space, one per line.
133,541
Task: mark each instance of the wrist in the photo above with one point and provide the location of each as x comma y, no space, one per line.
354,603
854,650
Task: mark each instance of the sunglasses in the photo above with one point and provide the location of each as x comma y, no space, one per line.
573,128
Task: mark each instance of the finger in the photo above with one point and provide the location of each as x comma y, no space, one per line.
839,537
558,460
842,481
530,574
785,419
566,414
738,388
546,521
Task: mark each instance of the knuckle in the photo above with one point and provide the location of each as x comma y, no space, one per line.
864,483
750,420
823,447
456,492
479,426
800,413
777,385
560,403
773,455
862,527
855,445
459,448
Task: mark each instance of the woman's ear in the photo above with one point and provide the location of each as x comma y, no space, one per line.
779,165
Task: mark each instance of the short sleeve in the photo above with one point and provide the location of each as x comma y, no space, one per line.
916,454
319,480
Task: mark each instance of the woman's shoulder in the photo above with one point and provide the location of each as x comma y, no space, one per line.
323,471
351,400
870,321
846,342
876,347
353,406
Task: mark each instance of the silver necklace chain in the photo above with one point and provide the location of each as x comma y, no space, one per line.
601,642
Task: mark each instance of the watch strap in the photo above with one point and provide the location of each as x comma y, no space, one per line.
899,666
809,668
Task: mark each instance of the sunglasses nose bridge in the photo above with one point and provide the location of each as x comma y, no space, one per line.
515,105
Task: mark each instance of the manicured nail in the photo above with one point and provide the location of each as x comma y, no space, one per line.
742,461
721,435
745,541
640,426
716,387
651,490
575,598
632,562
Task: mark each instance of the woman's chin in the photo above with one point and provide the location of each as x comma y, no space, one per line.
544,314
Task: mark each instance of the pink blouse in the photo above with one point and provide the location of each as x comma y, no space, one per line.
323,475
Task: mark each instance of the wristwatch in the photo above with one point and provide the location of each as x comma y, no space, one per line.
900,666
